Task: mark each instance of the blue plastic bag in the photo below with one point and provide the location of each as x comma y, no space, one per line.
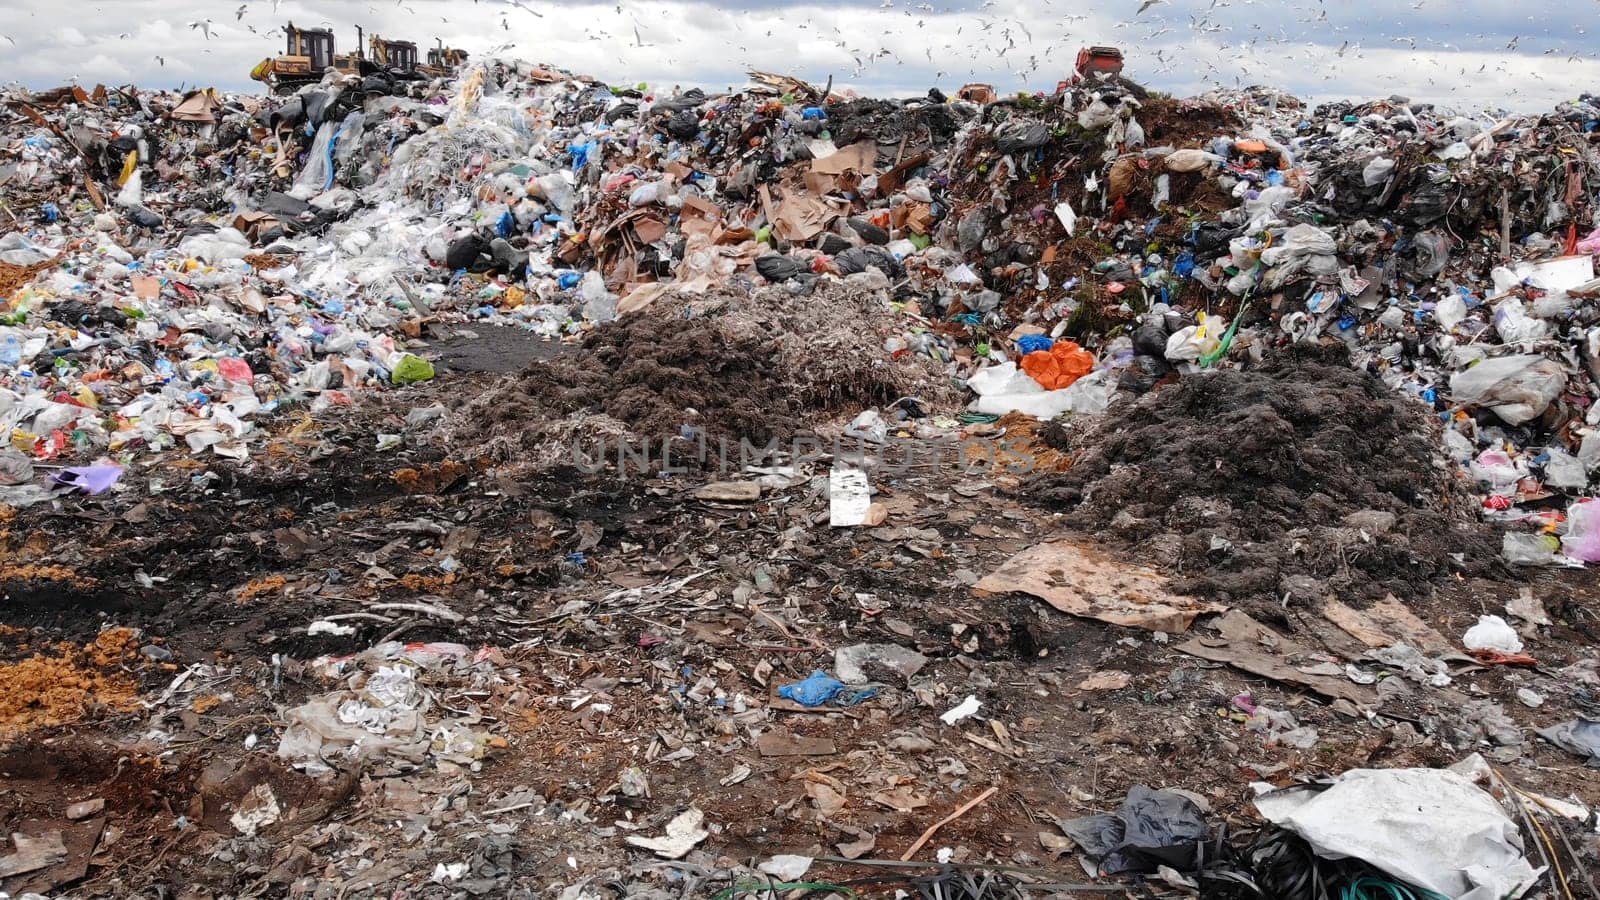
814,691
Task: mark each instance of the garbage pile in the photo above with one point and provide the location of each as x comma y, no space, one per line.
186,265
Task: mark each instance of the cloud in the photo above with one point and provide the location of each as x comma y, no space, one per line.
1466,53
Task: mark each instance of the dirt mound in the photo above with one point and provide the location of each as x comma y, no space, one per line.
886,121
1303,478
758,367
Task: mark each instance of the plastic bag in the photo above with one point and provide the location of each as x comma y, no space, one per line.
1450,311
1520,549
1023,136
1149,830
1058,367
1096,115
132,192
1432,828
1090,395
1377,171
1565,471
1191,160
1515,388
599,304
1433,252
1582,540
313,179
777,268
817,689
1580,736
1515,326
1492,633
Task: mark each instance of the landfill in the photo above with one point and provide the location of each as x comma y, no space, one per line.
517,484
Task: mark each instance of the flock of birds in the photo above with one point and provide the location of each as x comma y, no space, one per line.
1244,41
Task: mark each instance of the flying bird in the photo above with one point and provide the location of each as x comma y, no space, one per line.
1147,4
204,26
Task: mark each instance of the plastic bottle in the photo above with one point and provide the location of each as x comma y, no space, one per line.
10,351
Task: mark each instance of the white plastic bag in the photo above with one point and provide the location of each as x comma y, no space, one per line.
1090,394
1432,828
1377,171
1450,311
1190,160
1492,633
1515,388
1514,325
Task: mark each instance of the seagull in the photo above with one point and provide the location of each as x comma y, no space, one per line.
239,13
1147,4
204,25
10,38
1512,45
162,60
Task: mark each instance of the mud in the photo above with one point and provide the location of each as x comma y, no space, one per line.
489,348
1298,480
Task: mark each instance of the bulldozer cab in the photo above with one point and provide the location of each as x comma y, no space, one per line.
394,55
316,44
442,57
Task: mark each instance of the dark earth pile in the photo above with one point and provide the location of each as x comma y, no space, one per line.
657,373
1303,478
886,121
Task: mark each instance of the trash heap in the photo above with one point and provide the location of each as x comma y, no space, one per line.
180,267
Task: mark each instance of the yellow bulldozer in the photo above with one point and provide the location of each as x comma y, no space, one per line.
309,53
443,60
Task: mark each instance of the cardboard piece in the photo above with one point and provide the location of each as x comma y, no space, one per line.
798,217
1250,646
1083,581
859,157
1385,624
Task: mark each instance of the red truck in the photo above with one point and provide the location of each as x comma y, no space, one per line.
1093,60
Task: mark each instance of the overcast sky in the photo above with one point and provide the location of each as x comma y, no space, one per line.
1462,53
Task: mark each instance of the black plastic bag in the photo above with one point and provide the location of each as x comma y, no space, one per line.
1149,830
778,268
1026,136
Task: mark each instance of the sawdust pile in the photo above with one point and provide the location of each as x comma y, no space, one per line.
66,683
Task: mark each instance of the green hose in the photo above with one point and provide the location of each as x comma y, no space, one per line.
1369,887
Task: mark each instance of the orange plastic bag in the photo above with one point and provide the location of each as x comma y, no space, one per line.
1060,366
